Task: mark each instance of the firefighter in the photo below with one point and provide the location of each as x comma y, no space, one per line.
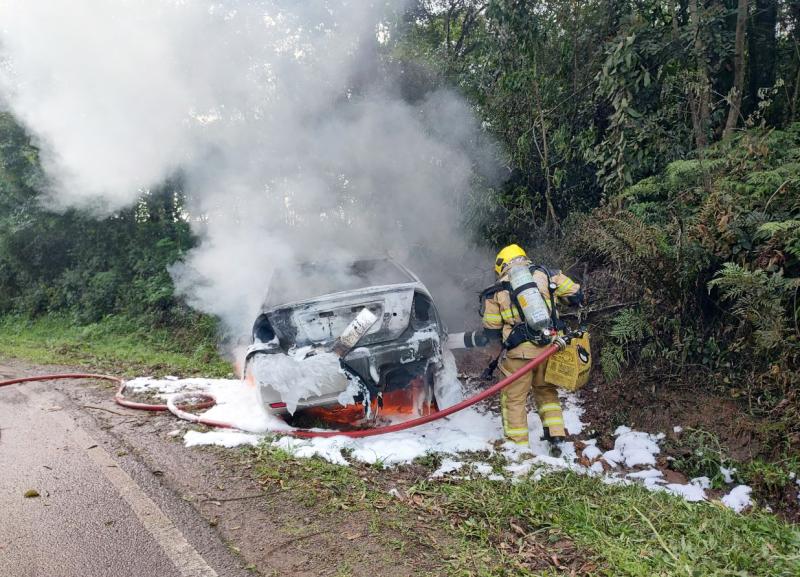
501,317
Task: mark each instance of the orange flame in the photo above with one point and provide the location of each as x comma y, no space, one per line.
400,405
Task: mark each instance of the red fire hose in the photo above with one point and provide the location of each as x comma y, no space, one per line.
208,401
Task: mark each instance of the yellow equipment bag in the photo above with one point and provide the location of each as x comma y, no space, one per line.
569,369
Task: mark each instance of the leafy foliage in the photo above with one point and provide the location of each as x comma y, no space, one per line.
70,261
591,97
708,249
628,336
760,301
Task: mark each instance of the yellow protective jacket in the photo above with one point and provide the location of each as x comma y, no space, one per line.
500,313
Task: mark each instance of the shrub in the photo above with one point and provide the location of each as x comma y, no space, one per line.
709,250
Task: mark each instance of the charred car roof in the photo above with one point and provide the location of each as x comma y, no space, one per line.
312,280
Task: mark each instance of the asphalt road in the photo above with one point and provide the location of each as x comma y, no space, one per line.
98,513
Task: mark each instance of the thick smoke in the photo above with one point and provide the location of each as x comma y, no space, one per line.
282,118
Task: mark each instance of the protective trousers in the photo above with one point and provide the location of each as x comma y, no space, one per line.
513,400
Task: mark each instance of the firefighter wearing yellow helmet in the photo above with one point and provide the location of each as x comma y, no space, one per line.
506,317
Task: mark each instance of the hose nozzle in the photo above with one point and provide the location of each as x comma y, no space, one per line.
467,340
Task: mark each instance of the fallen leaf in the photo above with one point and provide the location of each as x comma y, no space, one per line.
519,530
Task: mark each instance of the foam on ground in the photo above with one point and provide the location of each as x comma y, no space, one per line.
473,430
237,401
738,499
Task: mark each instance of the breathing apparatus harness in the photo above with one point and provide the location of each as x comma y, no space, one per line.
521,332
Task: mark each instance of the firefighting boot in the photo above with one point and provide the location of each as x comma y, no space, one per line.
554,442
557,449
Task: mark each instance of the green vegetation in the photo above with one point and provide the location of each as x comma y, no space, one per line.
591,97
708,250
500,528
75,289
626,528
116,345
699,453
74,263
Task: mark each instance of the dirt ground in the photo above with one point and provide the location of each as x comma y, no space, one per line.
660,407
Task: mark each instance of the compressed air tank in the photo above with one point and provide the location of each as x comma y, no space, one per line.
528,296
357,328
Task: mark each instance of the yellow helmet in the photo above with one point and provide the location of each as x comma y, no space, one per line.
506,255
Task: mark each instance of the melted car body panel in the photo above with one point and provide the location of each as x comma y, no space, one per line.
321,321
403,344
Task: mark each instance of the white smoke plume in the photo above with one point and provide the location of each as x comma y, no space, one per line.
284,121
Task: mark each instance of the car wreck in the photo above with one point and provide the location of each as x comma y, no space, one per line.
305,312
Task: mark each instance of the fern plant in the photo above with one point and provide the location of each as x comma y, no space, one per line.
786,233
628,331
760,301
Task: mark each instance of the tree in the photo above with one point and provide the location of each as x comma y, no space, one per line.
734,112
698,91
763,44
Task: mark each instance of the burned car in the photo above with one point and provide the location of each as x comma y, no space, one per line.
307,310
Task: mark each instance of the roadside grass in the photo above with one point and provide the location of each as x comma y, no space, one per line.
118,345
336,493
700,453
631,530
551,523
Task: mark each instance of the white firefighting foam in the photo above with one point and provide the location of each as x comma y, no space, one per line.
447,388
472,430
739,498
299,375
237,401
